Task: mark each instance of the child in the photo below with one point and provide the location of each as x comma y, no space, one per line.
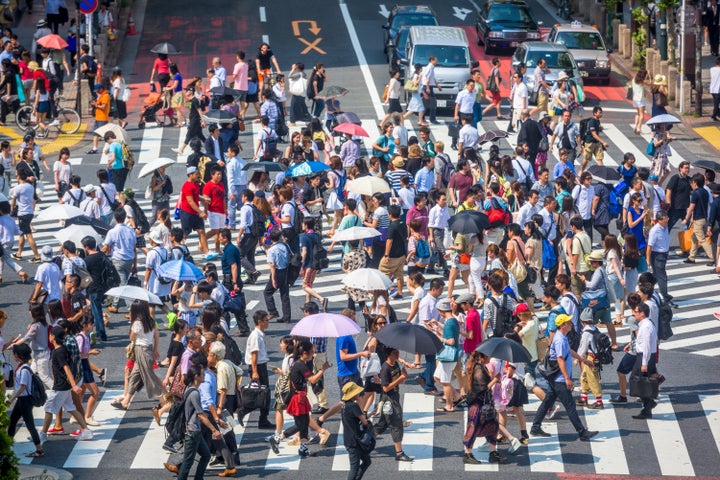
354,422
516,401
286,346
83,341
502,393
415,262
590,376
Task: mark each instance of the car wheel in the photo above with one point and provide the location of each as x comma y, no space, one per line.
487,49
479,42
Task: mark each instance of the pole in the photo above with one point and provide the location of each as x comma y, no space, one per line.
78,80
662,40
681,77
698,62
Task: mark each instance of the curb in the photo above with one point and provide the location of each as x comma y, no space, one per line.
44,472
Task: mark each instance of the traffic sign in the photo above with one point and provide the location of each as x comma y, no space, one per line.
88,6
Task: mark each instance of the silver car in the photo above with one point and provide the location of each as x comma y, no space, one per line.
587,47
558,59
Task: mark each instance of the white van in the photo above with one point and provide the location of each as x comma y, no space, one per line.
450,46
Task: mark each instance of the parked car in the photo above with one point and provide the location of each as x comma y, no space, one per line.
587,48
396,52
558,59
405,16
505,24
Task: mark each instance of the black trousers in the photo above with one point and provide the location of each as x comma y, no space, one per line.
263,379
716,105
282,285
587,226
247,247
23,409
603,230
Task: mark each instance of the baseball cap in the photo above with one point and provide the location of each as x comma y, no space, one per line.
191,170
521,308
46,254
561,319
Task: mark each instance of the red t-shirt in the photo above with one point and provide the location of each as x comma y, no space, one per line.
472,324
162,66
461,183
216,192
189,189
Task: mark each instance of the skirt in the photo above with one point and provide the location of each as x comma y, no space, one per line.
444,371
333,203
478,425
415,104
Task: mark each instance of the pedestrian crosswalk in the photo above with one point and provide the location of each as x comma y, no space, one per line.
623,446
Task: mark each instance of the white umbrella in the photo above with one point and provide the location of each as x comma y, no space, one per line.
76,233
134,293
367,186
153,165
367,279
663,118
120,133
59,212
355,233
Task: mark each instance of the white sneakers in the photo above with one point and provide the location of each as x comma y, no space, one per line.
86,434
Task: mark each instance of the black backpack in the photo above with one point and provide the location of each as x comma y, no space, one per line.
110,277
38,395
320,258
75,201
584,128
573,337
232,351
185,253
448,170
298,218
603,348
141,221
294,265
176,423
281,127
504,320
257,228
665,316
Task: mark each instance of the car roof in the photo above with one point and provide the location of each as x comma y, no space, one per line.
544,46
424,35
508,2
575,28
401,9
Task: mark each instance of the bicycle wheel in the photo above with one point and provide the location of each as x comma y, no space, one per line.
23,116
69,120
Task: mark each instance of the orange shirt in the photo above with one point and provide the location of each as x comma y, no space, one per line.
102,112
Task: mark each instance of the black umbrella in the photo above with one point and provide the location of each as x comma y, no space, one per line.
409,338
604,174
707,165
469,221
166,48
219,116
491,136
348,117
265,167
100,227
504,349
222,90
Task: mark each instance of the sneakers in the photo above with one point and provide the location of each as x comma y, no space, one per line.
469,459
274,444
56,431
539,432
587,435
403,457
303,451
218,461
618,399
580,403
324,436
170,448
54,123
92,150
495,457
514,445
596,406
86,434
211,256
35,260
554,411
92,422
76,433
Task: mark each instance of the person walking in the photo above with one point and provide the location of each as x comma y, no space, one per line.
256,357
696,219
561,383
594,145
393,261
391,376
23,408
646,348
677,193
120,246
354,422
715,89
278,258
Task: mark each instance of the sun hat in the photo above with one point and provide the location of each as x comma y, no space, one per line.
596,256
46,254
41,23
351,390
562,76
444,305
561,319
155,236
660,80
398,162
89,188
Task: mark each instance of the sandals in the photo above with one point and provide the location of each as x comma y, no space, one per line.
443,410
35,454
118,405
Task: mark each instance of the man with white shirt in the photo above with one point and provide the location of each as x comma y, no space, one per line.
715,89
583,195
468,136
529,209
428,84
237,181
438,219
120,246
519,99
399,132
465,101
646,348
427,316
90,205
523,168
220,72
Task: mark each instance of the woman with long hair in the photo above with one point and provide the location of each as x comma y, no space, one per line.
636,220
630,262
37,338
174,354
638,98
177,98
379,221
41,107
533,254
615,280
145,340
372,384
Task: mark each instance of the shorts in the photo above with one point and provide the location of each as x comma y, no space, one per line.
98,124
86,371
496,97
190,222
263,73
217,220
459,266
626,364
24,223
121,109
309,275
593,149
371,386
241,96
542,101
443,371
355,377
393,266
602,316
43,107
59,399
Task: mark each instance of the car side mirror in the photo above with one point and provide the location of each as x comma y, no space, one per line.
386,26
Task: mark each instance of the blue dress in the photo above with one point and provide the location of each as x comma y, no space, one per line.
637,230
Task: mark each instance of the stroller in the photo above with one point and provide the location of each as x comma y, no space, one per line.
156,108
337,119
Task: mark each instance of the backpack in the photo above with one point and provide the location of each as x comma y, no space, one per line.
38,395
297,219
584,128
163,280
504,319
110,277
185,253
294,265
448,169
257,228
92,66
232,351
603,347
75,201
616,201
176,423
497,215
573,337
270,141
128,157
281,127
85,278
320,259
422,249
549,257
665,316
141,221
340,189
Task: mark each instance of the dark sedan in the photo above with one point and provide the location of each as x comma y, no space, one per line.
505,24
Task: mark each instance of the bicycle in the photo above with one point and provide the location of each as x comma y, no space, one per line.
68,120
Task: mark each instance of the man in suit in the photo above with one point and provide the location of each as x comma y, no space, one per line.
214,145
530,133
712,17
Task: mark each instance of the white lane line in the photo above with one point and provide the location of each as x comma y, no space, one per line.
608,442
151,455
362,62
711,405
341,459
75,161
670,449
418,439
263,18
88,454
150,144
625,145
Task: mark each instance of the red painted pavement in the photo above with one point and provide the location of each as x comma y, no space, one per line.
578,476
613,92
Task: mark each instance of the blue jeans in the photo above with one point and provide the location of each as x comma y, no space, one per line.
318,106
477,112
427,374
193,444
359,462
559,391
124,269
96,305
234,205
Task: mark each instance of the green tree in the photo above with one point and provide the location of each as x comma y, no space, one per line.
8,460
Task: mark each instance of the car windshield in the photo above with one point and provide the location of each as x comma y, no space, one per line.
555,60
402,39
510,13
409,19
447,56
581,40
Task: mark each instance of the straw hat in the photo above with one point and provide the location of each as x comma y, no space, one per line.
660,80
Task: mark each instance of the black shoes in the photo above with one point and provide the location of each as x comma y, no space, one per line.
539,432
274,445
618,399
687,260
319,410
403,457
495,457
469,459
587,435
265,425
642,416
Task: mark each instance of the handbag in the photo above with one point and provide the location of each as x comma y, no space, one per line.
449,353
548,368
131,352
643,386
520,270
629,92
533,97
134,281
254,396
544,144
600,295
651,148
464,259
385,93
410,86
370,366
685,240
39,298
283,391
642,264
366,441
176,387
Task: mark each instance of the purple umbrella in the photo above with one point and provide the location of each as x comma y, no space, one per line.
325,325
